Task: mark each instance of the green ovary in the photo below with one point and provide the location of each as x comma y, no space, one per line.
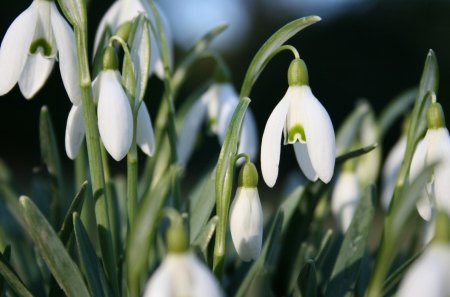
296,133
43,44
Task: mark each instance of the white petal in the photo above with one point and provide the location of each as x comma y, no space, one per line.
189,130
428,276
417,165
74,131
391,169
15,46
110,18
304,161
160,283
344,199
204,284
68,65
249,136
270,144
319,134
246,223
35,74
144,133
228,101
115,120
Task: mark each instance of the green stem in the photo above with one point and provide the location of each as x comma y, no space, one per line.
132,177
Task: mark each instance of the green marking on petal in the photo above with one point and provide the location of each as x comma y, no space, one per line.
296,133
43,44
212,122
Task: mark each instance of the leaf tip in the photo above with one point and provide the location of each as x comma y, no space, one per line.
24,200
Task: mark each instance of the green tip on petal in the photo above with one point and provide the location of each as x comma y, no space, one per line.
41,43
435,116
298,73
296,133
442,232
110,59
248,176
124,30
177,241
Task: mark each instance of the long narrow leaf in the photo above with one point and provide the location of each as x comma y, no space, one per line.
76,206
11,277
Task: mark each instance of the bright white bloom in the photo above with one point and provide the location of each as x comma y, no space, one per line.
391,169
182,274
345,198
433,149
33,42
246,223
123,11
306,125
429,275
217,104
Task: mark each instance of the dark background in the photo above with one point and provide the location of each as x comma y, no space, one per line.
368,49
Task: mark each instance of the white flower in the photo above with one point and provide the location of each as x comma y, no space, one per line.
308,127
246,223
345,198
122,11
391,169
429,275
182,274
217,104
433,149
31,46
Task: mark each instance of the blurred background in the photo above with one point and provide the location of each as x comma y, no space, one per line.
372,49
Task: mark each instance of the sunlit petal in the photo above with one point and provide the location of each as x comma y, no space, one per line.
320,137
228,101
145,137
160,284
203,281
15,46
344,199
115,120
246,223
417,165
270,144
34,75
249,136
74,131
304,161
109,18
68,66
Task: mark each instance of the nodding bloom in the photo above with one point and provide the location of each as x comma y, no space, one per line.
246,215
115,117
37,37
434,148
123,11
181,273
217,104
345,198
306,125
428,276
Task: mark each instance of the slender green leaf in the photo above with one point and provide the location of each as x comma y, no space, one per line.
348,263
355,153
52,251
307,282
76,206
262,57
98,56
11,277
396,108
93,270
50,156
325,245
205,235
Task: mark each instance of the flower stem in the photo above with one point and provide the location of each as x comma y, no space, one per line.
132,176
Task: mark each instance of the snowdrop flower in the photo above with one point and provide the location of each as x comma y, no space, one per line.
217,104
391,170
246,216
181,273
434,149
123,11
36,38
428,276
306,125
345,198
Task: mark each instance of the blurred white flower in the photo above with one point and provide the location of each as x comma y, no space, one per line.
217,105
429,275
36,38
182,274
345,198
390,172
246,223
122,11
306,125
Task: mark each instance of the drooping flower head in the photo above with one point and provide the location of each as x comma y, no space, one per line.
123,11
246,216
37,37
306,125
